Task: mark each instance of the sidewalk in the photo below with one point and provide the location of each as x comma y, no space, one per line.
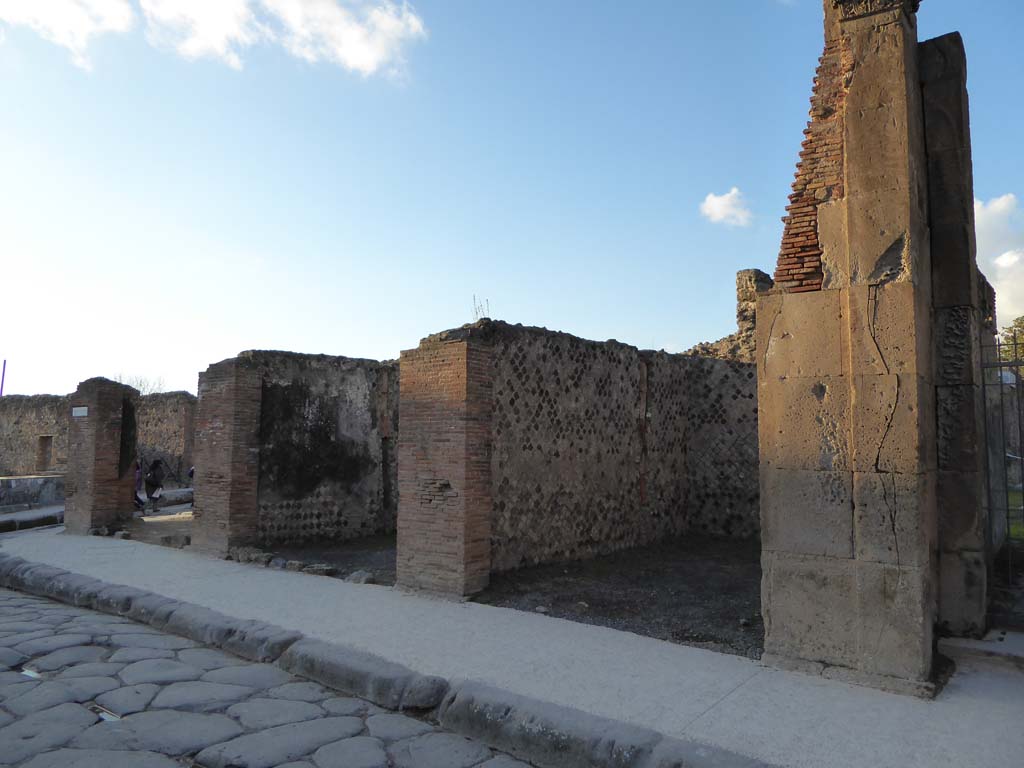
726,701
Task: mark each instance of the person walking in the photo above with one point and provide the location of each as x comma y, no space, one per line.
137,497
155,481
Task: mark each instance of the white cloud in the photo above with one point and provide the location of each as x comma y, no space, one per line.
729,209
201,28
71,24
1000,227
364,36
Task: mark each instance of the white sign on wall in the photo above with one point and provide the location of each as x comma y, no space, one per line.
79,411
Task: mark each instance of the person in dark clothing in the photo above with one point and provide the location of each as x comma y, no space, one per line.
155,481
140,502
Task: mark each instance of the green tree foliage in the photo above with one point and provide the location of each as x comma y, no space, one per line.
1011,340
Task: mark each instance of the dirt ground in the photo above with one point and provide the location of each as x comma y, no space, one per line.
698,591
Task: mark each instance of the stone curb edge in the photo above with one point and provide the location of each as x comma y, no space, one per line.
547,735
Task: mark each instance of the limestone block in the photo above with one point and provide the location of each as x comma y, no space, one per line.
888,326
960,441
957,349
963,579
807,512
833,237
799,334
809,606
893,427
894,517
804,423
895,617
879,224
954,271
951,186
961,507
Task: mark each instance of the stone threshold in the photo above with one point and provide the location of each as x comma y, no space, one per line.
546,735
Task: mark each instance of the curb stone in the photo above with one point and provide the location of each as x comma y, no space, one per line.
548,735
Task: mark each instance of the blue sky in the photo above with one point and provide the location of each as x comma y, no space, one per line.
343,176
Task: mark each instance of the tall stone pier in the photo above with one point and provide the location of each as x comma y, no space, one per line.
846,382
100,480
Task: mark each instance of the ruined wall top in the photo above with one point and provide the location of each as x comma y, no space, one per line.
855,9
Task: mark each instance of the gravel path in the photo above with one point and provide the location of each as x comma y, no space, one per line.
83,689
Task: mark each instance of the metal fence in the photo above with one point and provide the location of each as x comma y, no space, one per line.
1003,384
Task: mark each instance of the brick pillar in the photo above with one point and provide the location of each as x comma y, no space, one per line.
846,388
958,374
227,456
100,480
444,470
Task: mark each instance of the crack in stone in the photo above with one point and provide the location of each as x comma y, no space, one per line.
888,426
873,315
771,332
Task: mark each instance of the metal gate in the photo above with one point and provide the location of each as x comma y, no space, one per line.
1003,385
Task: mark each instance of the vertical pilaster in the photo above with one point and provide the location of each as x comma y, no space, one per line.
959,390
227,456
444,466
846,391
101,450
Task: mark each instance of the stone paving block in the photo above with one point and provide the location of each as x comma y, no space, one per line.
209,658
43,730
25,637
299,764
257,714
438,750
202,624
99,669
196,696
117,599
503,761
259,676
357,752
51,693
164,731
304,691
129,655
390,728
44,642
273,746
158,671
99,758
11,658
20,627
344,705
65,657
13,690
128,700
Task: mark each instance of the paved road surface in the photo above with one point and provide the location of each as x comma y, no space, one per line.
80,689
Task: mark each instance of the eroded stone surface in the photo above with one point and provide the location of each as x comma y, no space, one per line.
281,744
164,731
438,750
357,752
257,714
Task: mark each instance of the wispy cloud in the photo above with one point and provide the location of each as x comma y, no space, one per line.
363,36
729,209
1000,227
71,24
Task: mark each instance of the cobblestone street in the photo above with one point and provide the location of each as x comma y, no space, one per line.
81,689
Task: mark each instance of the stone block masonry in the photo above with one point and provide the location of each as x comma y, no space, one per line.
293,448
847,383
100,480
522,446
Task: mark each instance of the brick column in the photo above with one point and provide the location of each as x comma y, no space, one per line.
846,391
227,456
958,374
444,470
100,479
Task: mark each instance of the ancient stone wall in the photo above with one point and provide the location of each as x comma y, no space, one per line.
592,447
326,443
292,448
740,345
166,427
25,424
